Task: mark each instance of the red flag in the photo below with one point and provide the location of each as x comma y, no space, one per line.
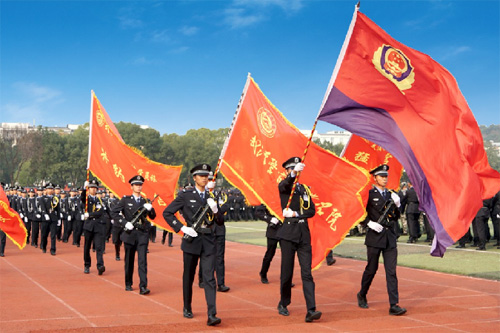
261,139
409,104
369,155
11,223
114,163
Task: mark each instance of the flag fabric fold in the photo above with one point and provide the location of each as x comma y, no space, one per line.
11,223
261,139
410,105
114,163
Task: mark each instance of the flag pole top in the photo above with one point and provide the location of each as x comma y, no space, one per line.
358,5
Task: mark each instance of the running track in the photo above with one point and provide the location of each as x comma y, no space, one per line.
40,292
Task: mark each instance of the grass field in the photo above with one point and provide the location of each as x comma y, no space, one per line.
468,261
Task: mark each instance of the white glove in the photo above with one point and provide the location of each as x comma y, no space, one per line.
25,219
86,215
189,231
38,216
213,205
375,226
287,212
148,206
61,215
397,200
299,167
129,226
47,218
82,217
274,220
211,185
69,218
22,216
58,223
86,184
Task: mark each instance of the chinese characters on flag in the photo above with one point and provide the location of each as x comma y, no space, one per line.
114,163
369,155
261,140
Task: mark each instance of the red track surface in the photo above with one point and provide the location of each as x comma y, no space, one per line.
40,292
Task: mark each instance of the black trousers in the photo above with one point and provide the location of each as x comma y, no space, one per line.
220,266
390,263
304,254
152,233
116,231
142,262
428,229
35,232
27,225
272,244
170,237
207,261
96,236
46,228
3,240
77,231
413,225
68,229
479,225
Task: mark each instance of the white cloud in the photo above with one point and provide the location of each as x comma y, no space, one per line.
238,18
188,30
180,49
454,51
160,36
31,101
288,6
139,61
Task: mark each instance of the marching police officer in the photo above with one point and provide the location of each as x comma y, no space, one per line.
295,237
201,244
93,226
381,238
136,237
51,219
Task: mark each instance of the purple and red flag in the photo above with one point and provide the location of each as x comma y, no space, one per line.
410,105
11,223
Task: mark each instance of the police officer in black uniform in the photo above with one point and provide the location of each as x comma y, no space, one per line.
78,212
295,237
93,226
381,238
31,215
51,221
412,214
202,243
136,237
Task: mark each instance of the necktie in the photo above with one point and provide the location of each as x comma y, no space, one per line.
202,195
386,195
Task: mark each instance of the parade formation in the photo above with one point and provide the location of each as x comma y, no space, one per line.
310,203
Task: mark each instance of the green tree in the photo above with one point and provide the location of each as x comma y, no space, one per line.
492,153
336,149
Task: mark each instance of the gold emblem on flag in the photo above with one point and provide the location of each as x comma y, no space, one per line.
266,121
100,118
395,66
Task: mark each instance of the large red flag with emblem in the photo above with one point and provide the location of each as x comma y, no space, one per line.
369,155
261,139
407,103
114,163
11,223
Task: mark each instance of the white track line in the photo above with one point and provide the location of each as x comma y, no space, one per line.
54,296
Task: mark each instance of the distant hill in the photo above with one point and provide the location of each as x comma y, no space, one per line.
491,132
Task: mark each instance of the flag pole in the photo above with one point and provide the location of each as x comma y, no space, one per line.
230,132
332,80
90,145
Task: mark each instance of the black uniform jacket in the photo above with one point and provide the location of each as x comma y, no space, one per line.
262,213
387,239
188,202
127,206
95,208
412,201
296,229
53,207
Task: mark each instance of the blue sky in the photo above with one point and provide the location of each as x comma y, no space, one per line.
177,65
